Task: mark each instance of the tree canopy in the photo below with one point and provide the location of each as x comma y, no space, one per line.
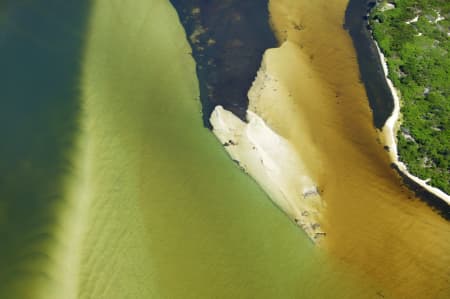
414,35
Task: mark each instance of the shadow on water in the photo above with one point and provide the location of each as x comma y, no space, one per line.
377,89
228,39
40,53
370,67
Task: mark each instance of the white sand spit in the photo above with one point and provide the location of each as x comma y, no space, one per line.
274,163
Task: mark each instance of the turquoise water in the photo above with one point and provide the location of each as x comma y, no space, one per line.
40,53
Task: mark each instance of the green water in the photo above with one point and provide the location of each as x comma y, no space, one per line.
150,205
40,54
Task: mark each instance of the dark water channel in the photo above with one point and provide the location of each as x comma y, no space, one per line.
228,39
371,70
40,55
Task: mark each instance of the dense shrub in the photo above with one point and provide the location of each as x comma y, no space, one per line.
418,59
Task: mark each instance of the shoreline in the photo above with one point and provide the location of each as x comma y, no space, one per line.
389,132
261,149
247,143
274,164
226,58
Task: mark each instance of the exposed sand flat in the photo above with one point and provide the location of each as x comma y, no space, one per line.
273,98
372,221
273,162
284,172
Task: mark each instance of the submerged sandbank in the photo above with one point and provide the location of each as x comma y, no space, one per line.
318,104
41,43
323,113
164,213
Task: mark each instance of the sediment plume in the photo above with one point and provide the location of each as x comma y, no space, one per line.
313,98
372,220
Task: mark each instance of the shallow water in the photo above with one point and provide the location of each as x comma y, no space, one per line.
378,91
152,207
228,39
374,222
171,216
40,52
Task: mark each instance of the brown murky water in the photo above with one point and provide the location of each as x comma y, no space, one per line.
374,223
157,209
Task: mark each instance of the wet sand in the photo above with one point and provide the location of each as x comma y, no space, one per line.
373,222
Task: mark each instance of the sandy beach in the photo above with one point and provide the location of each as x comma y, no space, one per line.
390,130
264,149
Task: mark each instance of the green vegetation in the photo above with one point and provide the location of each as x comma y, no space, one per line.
414,36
